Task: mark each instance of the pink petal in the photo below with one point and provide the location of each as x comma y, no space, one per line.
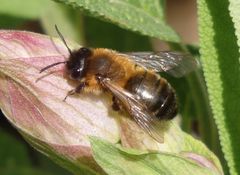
203,161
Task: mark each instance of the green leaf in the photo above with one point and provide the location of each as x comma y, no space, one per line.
220,61
196,146
115,160
68,20
29,9
125,40
234,7
145,17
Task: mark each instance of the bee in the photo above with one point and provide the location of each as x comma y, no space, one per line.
132,79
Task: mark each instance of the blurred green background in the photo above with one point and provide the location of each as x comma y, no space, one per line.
17,157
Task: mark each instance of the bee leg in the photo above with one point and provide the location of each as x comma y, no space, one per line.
99,77
115,102
78,89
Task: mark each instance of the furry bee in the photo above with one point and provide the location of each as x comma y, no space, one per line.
132,79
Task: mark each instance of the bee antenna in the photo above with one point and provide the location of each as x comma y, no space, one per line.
63,40
51,65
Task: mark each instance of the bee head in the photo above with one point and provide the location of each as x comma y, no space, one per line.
77,63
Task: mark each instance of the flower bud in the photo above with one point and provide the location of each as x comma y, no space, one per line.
34,103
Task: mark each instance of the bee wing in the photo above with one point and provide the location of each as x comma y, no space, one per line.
137,110
175,63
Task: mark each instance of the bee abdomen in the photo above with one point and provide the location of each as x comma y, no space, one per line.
156,93
168,108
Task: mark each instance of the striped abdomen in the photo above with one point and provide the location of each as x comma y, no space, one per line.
155,92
